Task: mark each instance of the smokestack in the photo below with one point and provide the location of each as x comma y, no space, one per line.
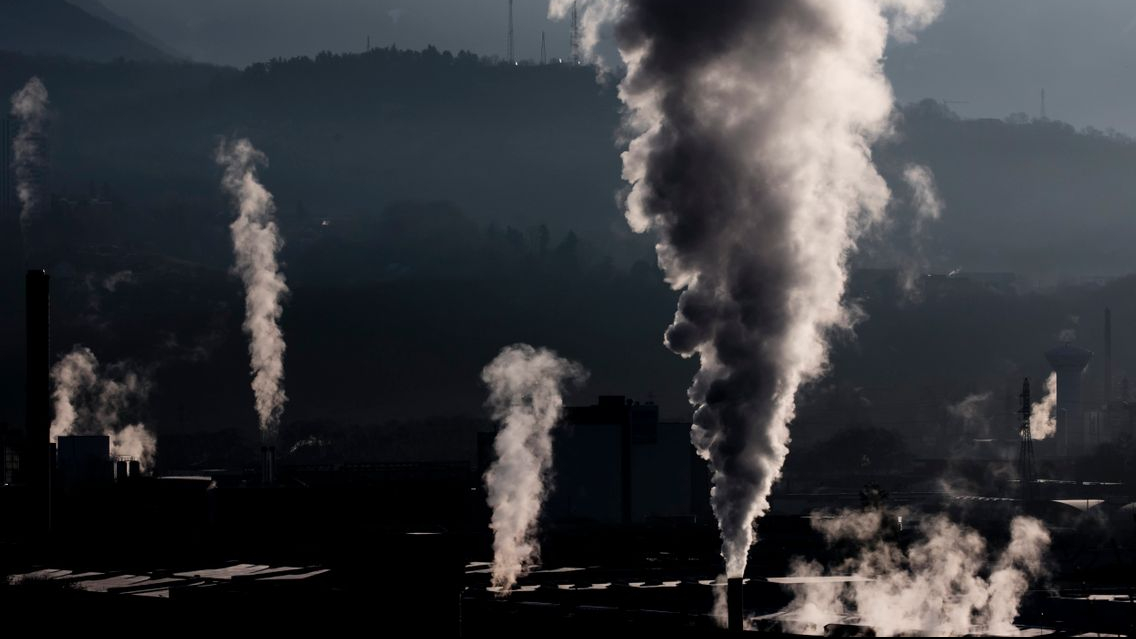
268,465
735,603
1107,356
37,429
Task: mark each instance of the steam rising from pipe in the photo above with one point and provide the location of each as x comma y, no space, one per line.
928,208
942,585
256,241
88,402
525,396
752,124
29,107
1043,413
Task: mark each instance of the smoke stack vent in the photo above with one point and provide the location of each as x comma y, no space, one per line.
735,603
268,465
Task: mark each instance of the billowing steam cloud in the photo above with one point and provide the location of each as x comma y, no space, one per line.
29,106
1043,413
88,402
941,585
256,240
525,386
928,208
751,161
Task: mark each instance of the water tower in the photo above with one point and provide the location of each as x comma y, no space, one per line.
1069,361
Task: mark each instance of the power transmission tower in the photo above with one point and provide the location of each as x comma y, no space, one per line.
574,36
543,50
511,56
1026,476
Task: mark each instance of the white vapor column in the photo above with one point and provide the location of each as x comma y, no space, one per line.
256,241
1043,413
29,107
751,126
928,206
525,397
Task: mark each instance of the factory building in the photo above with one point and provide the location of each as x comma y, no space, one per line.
616,462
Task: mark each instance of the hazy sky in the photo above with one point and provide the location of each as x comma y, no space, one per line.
992,56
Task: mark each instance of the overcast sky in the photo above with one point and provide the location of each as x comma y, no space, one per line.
989,58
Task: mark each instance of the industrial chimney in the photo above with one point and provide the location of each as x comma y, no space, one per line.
268,465
735,603
37,390
1069,362
1107,357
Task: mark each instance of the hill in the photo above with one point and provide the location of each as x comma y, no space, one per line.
59,28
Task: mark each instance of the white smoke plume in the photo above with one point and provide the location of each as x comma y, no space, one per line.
752,126
941,585
525,396
91,402
1043,413
928,207
256,241
29,107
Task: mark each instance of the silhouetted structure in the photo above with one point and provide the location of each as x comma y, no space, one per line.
617,463
1069,362
574,36
37,461
83,462
735,604
1026,475
511,53
8,204
1107,356
268,465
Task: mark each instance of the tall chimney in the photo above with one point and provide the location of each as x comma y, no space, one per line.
735,603
37,395
268,465
1107,357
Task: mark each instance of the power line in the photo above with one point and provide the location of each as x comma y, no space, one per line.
574,36
511,54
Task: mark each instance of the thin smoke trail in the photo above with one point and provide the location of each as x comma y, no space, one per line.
256,241
29,155
1043,413
525,396
751,125
928,206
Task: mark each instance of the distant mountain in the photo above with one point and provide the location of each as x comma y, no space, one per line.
102,12
56,27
